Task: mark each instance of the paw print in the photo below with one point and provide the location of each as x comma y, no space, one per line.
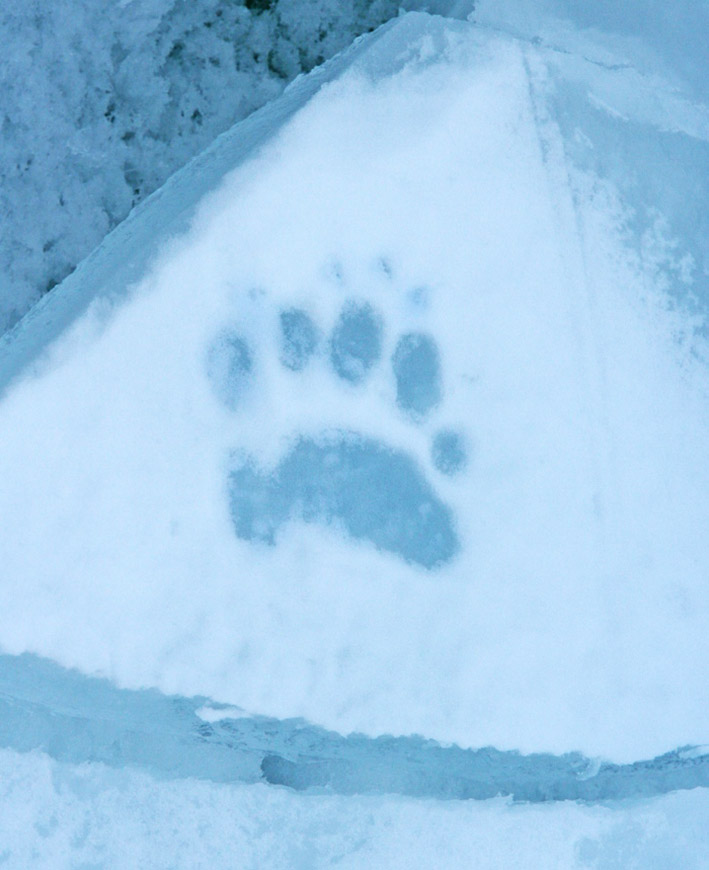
374,491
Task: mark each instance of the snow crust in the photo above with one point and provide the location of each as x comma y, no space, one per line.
655,37
59,816
148,531
74,718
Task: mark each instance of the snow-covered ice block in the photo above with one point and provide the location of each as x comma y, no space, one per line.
375,415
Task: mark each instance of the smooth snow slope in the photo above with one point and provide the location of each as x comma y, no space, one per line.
399,433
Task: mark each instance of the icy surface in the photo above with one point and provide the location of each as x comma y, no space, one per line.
56,815
340,481
494,348
75,718
626,123
416,364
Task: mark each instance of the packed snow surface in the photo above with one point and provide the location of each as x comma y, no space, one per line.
402,430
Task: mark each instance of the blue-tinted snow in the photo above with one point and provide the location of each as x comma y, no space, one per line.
449,452
377,494
107,273
299,338
76,719
230,364
621,121
356,343
663,176
92,131
578,590
660,39
577,596
91,775
364,487
59,815
417,368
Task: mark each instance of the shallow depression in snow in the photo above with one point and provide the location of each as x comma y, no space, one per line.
372,491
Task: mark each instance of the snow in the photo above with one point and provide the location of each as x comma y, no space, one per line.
183,510
101,102
74,718
58,816
653,36
89,131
